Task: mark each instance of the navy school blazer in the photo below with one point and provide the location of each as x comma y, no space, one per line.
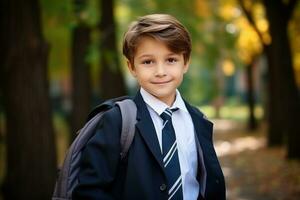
103,176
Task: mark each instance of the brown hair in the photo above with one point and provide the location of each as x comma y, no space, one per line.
161,27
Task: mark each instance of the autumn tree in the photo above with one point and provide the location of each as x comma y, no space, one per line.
30,148
284,100
279,14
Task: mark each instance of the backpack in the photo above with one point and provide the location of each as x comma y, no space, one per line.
67,178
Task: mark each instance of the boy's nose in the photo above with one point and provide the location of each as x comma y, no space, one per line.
160,70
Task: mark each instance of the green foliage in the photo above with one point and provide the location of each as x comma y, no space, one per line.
86,11
59,19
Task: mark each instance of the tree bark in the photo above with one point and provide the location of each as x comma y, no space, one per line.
112,80
274,116
252,124
81,83
278,17
30,148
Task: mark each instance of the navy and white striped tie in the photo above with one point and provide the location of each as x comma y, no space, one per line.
170,156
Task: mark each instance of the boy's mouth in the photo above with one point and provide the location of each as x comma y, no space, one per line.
161,82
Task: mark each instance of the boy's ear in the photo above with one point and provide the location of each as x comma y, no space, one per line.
186,66
131,68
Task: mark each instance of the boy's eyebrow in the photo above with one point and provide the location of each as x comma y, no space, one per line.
144,55
150,55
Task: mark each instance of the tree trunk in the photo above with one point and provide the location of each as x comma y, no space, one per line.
112,80
274,115
282,62
252,124
81,90
30,148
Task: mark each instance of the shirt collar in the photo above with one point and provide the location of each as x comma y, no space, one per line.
159,106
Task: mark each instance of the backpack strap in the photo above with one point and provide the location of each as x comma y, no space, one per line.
128,113
106,105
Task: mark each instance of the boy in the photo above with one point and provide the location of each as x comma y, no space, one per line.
172,155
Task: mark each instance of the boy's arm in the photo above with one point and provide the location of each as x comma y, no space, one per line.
100,159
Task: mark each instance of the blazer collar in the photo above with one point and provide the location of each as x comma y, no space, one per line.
146,128
203,127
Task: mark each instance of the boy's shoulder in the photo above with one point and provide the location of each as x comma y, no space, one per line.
198,112
111,109
114,113
194,109
112,116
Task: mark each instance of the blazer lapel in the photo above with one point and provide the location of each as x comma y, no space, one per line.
146,128
203,129
203,137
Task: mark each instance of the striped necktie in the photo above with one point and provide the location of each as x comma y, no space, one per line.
170,156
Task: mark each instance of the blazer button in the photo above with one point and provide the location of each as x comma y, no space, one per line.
217,181
163,187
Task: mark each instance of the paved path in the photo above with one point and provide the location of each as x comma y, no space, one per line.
230,144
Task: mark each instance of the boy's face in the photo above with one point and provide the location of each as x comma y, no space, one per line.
157,69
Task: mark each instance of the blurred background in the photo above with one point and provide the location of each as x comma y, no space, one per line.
58,59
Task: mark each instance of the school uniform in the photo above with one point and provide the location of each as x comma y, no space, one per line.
141,175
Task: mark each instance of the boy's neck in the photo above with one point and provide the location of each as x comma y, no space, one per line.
168,101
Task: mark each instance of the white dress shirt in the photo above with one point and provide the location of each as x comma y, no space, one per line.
185,137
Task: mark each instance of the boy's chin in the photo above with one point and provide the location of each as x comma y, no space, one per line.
163,93
167,98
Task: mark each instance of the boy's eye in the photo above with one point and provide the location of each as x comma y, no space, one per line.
172,60
147,62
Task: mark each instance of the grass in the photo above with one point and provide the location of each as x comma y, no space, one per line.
234,112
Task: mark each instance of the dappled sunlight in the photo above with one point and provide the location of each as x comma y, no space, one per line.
238,145
263,173
224,125
227,145
251,170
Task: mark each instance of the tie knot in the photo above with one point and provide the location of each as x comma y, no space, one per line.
167,114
